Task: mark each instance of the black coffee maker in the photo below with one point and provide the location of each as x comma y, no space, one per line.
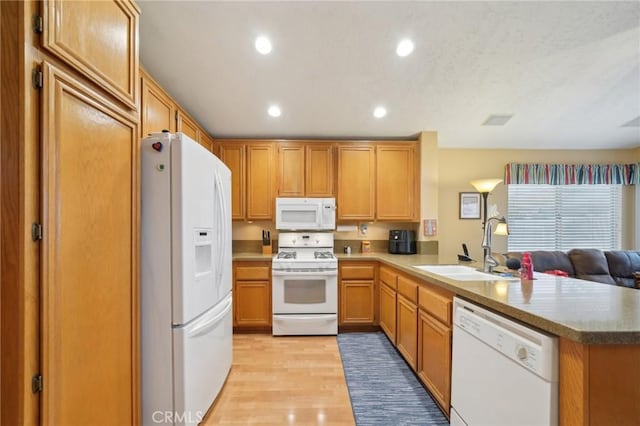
402,241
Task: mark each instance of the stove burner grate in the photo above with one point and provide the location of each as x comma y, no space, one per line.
287,255
323,255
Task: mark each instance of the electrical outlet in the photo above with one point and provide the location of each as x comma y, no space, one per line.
362,229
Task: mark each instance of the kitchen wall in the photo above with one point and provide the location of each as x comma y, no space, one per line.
457,167
637,205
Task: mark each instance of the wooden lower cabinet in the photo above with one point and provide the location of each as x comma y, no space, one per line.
357,294
252,296
598,384
388,311
434,358
357,302
407,330
251,308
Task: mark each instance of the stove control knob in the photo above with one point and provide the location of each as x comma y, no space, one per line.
293,241
317,241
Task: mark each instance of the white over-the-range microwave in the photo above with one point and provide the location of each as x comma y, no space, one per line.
305,214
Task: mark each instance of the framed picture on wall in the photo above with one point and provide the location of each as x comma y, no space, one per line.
469,205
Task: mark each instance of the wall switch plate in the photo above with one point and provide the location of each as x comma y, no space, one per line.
430,227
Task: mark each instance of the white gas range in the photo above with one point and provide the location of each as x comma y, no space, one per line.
305,285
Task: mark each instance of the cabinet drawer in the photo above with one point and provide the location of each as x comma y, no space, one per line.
388,277
252,273
357,272
436,304
408,288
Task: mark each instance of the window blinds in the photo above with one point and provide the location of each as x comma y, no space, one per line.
546,217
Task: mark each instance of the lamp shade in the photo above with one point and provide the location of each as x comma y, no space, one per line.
485,185
501,229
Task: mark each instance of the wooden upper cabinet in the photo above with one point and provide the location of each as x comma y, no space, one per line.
233,155
98,39
291,170
187,126
205,140
319,170
305,169
356,182
260,181
157,109
397,182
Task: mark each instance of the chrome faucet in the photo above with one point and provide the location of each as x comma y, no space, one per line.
490,262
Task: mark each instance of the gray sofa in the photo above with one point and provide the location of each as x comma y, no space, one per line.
609,267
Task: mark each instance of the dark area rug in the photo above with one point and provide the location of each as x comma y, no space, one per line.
382,387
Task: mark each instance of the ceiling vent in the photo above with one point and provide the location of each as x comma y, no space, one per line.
633,123
497,120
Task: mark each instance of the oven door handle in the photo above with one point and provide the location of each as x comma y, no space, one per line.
306,274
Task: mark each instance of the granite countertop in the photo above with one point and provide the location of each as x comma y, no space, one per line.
583,311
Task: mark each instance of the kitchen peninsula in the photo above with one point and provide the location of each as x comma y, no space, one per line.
598,326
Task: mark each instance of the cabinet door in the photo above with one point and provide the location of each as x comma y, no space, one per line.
252,304
187,126
356,182
291,170
205,140
319,170
157,110
99,39
434,358
233,155
260,181
357,302
89,293
407,329
397,192
388,311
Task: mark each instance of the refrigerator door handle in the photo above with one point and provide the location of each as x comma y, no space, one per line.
222,234
210,323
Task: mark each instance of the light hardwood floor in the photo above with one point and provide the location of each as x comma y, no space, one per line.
283,381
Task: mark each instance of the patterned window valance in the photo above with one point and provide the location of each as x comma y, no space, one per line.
572,174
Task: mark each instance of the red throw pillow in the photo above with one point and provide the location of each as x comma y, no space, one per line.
557,272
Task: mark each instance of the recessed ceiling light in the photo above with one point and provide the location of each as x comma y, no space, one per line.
263,45
274,111
497,120
405,47
379,112
633,123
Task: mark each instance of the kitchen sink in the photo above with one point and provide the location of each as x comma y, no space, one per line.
462,273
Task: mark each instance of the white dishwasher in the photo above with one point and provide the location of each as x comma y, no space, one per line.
503,373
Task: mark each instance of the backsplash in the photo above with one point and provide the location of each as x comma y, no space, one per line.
382,246
247,237
375,230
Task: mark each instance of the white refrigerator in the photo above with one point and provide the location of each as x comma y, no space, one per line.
186,322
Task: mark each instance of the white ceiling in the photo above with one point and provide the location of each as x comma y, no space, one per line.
569,72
